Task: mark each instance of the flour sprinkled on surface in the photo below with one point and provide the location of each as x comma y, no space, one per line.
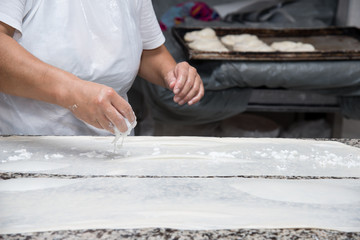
118,134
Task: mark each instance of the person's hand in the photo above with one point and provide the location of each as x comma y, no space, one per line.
186,84
101,107
24,75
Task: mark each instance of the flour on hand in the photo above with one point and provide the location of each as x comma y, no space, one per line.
118,134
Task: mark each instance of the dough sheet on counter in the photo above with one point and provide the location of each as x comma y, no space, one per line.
196,183
47,204
178,156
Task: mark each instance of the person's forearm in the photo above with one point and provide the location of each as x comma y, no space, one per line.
155,64
22,74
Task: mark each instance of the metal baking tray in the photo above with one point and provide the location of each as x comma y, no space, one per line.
332,43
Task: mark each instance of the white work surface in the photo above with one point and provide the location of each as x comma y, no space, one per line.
177,182
178,156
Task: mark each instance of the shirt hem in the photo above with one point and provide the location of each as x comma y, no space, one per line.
10,21
149,45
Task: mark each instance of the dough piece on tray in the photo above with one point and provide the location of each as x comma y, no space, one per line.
206,33
245,43
255,45
206,40
208,45
252,47
289,46
230,40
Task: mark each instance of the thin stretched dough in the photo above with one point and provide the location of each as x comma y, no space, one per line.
206,33
289,46
211,45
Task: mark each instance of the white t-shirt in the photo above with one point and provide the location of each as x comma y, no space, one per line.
96,40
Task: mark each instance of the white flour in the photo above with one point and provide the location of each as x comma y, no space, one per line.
118,134
156,151
185,156
21,155
52,156
220,155
318,159
92,154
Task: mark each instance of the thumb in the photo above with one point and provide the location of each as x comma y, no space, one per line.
171,80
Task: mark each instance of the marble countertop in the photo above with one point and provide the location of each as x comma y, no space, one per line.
169,233
173,234
350,142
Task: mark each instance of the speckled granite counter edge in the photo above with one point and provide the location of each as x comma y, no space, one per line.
350,142
165,233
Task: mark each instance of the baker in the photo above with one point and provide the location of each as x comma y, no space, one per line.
66,66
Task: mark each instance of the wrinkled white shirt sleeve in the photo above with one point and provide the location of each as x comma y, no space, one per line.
12,13
151,34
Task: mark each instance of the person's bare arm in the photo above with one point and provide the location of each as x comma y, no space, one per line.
159,67
22,74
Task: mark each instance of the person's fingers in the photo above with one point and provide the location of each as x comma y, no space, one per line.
122,107
171,80
95,123
111,111
181,73
190,87
198,96
110,119
102,107
103,122
193,91
115,120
